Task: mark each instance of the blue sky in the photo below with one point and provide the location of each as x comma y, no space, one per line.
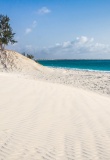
60,28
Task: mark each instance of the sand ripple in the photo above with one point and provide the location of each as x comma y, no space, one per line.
45,121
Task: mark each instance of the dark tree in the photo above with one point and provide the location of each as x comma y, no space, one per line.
24,54
30,56
6,32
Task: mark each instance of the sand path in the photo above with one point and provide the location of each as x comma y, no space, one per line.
45,121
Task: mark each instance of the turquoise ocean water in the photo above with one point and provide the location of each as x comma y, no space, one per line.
96,65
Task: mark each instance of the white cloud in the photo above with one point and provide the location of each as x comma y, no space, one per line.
28,46
34,24
44,10
28,30
66,44
81,47
82,39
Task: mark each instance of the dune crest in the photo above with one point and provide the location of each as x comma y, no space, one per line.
12,61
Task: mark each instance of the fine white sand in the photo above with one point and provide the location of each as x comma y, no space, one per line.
11,61
40,120
45,121
89,80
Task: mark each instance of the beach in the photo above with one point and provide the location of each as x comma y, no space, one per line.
96,81
54,80
57,114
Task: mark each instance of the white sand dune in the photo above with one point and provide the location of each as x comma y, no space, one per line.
45,121
11,61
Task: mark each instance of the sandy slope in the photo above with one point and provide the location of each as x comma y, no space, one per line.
45,121
89,80
11,61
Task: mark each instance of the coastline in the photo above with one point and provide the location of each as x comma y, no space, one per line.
100,65
77,69
48,113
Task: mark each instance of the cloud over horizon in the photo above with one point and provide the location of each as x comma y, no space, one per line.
80,48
